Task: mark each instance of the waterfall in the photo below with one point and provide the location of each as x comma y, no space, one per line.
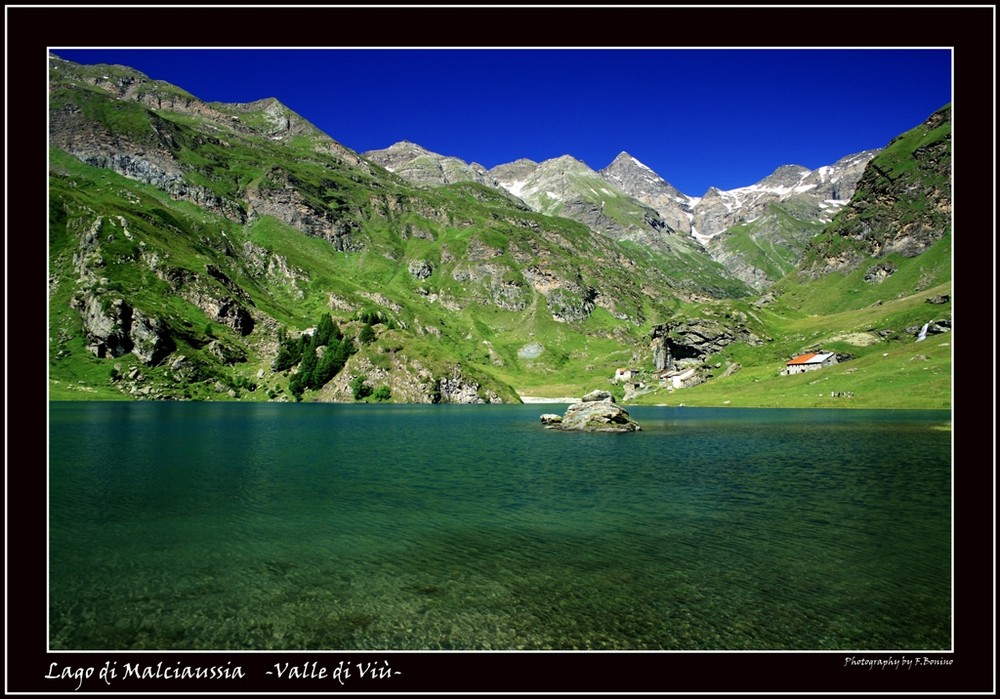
922,335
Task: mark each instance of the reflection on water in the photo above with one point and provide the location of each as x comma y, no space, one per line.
229,526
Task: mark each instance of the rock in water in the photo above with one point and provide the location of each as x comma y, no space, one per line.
593,416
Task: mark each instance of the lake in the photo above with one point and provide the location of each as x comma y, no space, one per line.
324,526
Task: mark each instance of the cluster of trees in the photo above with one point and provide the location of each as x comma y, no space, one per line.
315,368
321,355
361,390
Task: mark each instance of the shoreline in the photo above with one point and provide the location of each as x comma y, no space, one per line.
542,400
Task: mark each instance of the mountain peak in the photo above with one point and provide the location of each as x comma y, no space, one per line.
624,159
415,163
407,145
401,147
642,183
785,176
566,160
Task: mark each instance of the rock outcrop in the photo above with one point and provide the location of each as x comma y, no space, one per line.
460,389
114,328
901,205
696,339
596,412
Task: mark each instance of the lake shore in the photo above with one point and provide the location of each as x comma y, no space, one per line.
530,400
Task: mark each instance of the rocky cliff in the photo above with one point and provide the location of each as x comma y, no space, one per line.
686,344
640,182
901,204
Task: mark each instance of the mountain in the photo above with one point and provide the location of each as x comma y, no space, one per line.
759,232
818,194
420,166
568,187
642,184
195,247
756,234
901,205
235,252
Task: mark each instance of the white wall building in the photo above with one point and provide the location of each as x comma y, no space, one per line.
810,362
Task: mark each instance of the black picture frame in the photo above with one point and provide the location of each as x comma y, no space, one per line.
967,30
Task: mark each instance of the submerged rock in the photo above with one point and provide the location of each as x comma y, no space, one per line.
590,415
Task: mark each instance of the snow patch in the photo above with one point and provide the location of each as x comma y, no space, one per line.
517,187
703,239
642,165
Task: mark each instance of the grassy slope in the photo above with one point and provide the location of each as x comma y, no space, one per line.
839,313
772,243
806,314
462,326
190,239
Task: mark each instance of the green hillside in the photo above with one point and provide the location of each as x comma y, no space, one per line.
867,283
872,326
902,203
772,243
226,227
197,250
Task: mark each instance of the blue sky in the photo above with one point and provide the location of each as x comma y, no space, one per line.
699,118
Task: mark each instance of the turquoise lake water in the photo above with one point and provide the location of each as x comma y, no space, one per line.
317,526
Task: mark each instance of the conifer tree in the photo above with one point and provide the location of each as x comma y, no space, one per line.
326,331
308,365
329,365
367,334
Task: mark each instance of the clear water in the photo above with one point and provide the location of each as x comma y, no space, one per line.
277,526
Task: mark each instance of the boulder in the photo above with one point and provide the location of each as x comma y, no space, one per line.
596,415
597,395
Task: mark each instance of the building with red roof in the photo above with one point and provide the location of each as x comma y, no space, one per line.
809,362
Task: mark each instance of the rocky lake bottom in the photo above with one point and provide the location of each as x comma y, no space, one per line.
401,527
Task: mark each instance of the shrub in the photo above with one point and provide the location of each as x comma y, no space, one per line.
360,387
